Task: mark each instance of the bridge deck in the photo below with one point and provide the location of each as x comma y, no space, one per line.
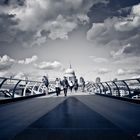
74,117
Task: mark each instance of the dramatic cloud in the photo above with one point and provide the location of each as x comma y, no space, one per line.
38,11
6,62
49,65
124,30
7,30
12,2
111,8
55,29
59,28
35,21
131,22
28,60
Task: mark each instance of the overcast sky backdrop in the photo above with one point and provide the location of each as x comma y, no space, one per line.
99,38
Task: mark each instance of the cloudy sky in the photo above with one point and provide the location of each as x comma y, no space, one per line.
99,38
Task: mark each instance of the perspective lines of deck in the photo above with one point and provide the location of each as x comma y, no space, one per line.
72,117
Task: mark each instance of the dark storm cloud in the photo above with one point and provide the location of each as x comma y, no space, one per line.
100,11
12,2
32,22
125,31
7,31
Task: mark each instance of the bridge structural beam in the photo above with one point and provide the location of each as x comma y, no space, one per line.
4,80
138,80
33,88
99,88
15,87
25,88
109,87
103,87
127,88
117,88
95,86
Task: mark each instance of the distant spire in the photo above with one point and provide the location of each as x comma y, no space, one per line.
70,65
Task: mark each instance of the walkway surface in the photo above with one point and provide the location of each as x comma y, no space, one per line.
88,117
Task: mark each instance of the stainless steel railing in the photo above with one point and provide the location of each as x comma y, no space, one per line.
14,88
129,88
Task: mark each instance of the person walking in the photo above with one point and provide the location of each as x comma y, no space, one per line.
46,83
75,85
82,83
57,86
65,85
71,85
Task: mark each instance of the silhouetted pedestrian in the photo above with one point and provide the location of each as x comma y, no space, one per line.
71,85
57,86
46,82
65,85
82,84
75,85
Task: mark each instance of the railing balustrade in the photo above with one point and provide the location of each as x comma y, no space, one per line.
14,88
128,88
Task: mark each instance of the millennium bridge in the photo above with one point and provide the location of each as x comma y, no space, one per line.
105,111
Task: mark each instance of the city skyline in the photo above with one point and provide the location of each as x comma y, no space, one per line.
99,37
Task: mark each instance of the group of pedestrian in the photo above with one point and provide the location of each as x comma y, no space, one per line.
65,85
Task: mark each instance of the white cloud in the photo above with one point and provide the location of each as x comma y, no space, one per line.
120,52
96,30
35,12
20,75
38,41
135,77
121,72
100,60
49,65
103,71
57,18
59,28
28,60
6,62
136,9
84,19
131,22
132,71
3,73
124,30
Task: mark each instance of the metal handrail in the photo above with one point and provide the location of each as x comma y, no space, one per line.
21,90
122,87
